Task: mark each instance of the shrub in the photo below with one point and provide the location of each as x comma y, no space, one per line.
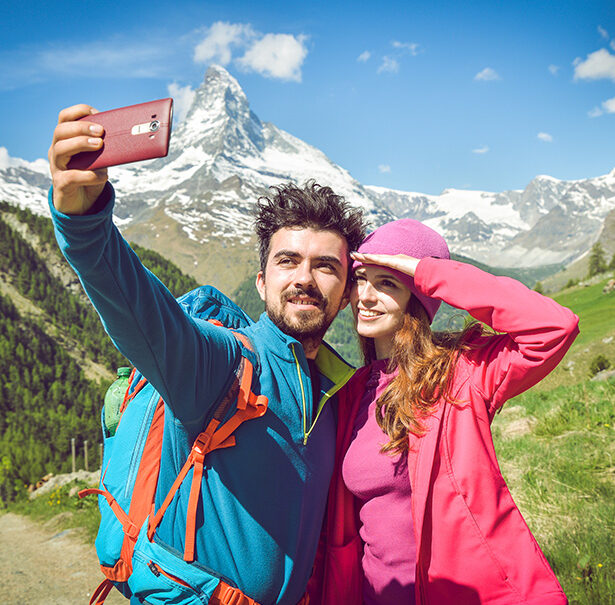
598,363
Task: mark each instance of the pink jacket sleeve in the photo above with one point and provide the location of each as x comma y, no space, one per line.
536,331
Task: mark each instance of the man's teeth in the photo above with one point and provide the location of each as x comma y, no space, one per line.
303,302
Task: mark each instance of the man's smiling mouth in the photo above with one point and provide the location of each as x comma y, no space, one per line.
303,301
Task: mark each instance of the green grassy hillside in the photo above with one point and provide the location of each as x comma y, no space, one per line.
556,447
597,333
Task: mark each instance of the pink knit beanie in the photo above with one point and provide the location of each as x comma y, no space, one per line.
410,237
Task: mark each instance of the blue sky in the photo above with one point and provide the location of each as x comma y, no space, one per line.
418,96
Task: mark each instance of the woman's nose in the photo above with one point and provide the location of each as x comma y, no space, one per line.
366,292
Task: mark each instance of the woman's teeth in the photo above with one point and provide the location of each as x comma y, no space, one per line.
367,313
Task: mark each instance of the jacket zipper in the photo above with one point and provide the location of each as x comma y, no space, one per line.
305,433
321,403
158,571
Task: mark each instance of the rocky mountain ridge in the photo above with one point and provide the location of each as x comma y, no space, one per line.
194,206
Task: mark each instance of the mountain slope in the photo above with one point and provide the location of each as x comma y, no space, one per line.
55,357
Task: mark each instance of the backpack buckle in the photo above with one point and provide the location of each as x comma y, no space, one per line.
200,448
233,596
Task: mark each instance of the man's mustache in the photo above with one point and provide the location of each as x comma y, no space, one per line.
311,292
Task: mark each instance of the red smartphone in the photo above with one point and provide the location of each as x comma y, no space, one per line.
133,133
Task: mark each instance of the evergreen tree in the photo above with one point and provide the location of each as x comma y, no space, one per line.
597,263
45,398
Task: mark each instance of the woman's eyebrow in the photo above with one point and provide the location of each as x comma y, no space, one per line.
387,276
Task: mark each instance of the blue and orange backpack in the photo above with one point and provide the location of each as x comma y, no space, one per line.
130,469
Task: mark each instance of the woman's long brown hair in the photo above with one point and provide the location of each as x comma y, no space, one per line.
425,360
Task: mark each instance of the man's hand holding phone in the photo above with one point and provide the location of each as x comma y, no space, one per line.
75,191
86,141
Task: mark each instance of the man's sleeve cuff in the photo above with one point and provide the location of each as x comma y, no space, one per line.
103,205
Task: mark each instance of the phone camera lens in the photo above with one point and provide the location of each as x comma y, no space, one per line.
154,126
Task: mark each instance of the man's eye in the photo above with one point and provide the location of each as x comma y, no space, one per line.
388,284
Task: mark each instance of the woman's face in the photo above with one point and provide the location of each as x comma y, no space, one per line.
379,301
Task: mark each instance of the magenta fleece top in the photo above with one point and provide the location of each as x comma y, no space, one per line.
381,484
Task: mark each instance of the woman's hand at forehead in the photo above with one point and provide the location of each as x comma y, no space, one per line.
399,262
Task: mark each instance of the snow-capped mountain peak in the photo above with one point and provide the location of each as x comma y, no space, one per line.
220,119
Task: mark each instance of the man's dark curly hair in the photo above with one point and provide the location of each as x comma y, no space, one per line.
310,207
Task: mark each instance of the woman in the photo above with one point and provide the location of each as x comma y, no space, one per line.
418,509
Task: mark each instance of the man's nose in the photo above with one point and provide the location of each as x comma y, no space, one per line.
303,274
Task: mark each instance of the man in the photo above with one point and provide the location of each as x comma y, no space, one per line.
263,500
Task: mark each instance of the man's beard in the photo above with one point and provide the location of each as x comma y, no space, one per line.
308,327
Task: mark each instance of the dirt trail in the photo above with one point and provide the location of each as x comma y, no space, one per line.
44,566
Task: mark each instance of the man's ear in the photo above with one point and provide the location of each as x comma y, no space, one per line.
260,285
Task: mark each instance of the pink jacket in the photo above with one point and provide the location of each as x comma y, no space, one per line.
473,544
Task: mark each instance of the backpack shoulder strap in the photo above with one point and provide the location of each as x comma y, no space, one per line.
216,435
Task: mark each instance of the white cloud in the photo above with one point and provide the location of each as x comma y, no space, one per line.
6,161
388,65
595,112
183,96
545,136
220,38
481,150
598,65
609,105
115,57
612,45
554,69
364,56
412,47
271,55
276,56
603,32
487,74
384,168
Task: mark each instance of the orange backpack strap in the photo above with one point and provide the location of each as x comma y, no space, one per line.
215,436
101,593
225,594
128,396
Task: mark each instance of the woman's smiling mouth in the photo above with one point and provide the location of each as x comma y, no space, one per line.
369,314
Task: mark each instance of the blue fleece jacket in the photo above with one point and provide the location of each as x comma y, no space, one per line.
263,500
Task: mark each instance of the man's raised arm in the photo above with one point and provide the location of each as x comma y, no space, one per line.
188,361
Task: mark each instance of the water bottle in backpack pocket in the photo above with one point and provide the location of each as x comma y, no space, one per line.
114,397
